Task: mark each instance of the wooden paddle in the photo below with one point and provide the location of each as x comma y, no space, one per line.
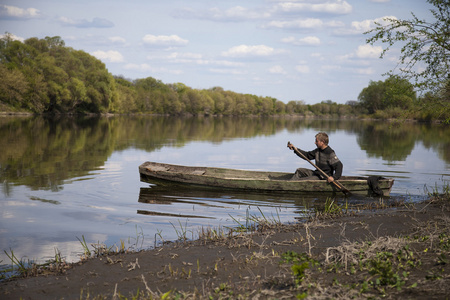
335,182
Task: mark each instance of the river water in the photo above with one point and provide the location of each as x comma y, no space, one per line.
67,179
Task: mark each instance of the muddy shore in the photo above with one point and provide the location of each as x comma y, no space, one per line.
393,253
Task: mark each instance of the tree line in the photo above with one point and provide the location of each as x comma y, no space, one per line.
45,76
42,75
396,98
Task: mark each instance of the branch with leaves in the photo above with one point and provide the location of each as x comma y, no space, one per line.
425,50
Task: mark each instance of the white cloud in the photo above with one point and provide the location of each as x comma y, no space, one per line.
98,40
364,71
14,12
368,51
164,40
139,67
309,23
331,7
246,51
318,56
146,68
240,12
13,37
302,69
306,41
380,1
226,63
277,70
361,55
359,27
326,69
187,55
363,26
83,23
237,13
300,23
334,24
117,40
185,58
228,71
110,56
193,58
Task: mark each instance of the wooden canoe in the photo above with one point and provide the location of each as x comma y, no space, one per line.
253,180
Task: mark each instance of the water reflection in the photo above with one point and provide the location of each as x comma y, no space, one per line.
395,141
392,143
171,193
42,153
64,178
198,202
163,194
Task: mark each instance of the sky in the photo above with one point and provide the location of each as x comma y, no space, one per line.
309,50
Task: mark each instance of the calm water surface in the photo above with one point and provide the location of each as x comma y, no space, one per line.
65,179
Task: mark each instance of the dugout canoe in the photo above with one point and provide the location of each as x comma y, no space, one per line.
254,180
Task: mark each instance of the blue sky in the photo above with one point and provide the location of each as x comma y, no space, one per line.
310,50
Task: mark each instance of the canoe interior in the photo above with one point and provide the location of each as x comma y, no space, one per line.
250,180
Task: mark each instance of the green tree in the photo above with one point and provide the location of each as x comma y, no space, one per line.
422,41
265,106
296,107
174,105
126,97
58,78
219,100
399,93
394,92
229,104
435,105
280,107
13,86
77,92
208,104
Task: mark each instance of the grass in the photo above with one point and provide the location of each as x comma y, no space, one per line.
22,268
331,209
17,265
385,261
434,194
300,263
181,232
366,269
254,223
138,240
374,269
251,223
84,245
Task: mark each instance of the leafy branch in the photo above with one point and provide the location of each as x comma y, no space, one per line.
425,49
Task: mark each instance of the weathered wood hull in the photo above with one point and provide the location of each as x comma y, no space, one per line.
253,180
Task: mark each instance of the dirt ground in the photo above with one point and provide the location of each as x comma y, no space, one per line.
392,253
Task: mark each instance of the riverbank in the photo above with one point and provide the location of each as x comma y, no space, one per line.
397,252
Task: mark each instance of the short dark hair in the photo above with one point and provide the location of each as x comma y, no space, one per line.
323,137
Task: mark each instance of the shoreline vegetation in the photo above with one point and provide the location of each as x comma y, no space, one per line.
386,249
43,76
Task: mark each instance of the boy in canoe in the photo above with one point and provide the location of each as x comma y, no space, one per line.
326,160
